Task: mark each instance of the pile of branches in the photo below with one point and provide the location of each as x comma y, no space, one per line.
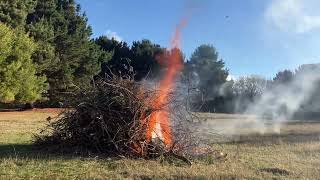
106,119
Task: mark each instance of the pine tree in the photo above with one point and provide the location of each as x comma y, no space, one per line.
142,57
121,57
18,80
67,55
208,70
14,12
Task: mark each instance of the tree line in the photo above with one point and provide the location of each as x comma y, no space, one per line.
51,41
46,52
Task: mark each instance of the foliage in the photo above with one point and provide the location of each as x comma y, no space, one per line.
18,80
249,87
120,56
310,107
69,59
207,72
66,55
14,12
283,77
141,56
208,69
144,59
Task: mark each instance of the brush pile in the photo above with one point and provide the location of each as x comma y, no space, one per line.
111,118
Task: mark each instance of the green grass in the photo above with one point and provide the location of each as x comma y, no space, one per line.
295,154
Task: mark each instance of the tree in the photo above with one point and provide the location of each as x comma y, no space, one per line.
18,80
44,56
306,87
208,71
14,12
283,77
66,54
141,57
246,90
40,25
249,87
144,59
120,60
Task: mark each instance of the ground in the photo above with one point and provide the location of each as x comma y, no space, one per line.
292,154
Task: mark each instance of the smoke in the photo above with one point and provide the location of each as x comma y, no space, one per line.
283,101
266,104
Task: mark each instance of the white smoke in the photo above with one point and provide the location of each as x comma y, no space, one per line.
275,103
280,102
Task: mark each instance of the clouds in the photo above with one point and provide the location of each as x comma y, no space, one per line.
112,34
294,16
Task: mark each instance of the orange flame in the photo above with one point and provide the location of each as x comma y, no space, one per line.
174,64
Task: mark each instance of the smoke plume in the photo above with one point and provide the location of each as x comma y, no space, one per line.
284,101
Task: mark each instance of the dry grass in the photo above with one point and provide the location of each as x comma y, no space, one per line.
295,154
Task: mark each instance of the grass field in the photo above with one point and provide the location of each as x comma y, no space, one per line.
293,154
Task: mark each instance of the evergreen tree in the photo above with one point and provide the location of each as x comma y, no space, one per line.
14,12
140,59
120,62
66,55
44,56
18,80
283,77
207,70
144,59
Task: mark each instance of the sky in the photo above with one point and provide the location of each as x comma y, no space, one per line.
259,37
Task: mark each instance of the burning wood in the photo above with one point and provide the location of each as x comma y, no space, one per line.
114,117
118,116
159,124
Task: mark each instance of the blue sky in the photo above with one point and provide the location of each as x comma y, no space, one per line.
252,36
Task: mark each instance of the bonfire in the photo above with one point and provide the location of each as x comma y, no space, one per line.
119,116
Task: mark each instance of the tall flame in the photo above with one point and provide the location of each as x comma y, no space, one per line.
160,117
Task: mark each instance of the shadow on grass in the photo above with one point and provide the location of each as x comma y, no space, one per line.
29,151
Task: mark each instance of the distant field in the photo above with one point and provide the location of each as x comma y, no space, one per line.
292,154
